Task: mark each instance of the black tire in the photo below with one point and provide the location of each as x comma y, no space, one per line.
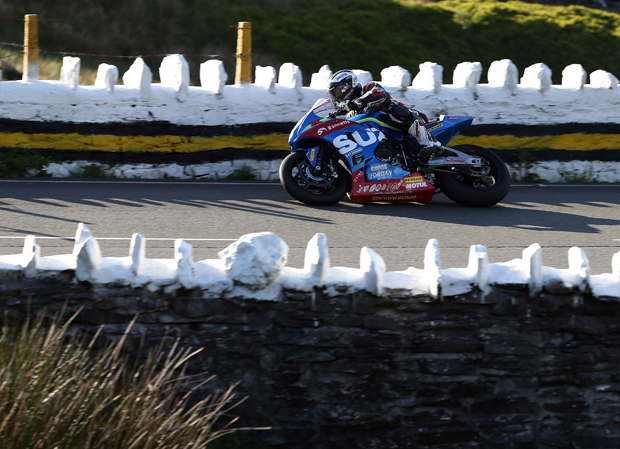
301,184
471,189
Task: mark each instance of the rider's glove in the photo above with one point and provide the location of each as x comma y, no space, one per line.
355,105
342,109
419,115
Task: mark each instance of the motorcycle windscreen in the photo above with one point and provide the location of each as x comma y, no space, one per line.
450,126
317,113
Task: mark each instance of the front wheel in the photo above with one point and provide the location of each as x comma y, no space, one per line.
476,187
311,186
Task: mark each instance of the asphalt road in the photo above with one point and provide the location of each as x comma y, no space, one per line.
211,215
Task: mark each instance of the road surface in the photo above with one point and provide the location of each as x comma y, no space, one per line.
211,215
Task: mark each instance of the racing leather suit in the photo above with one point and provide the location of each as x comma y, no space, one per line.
375,98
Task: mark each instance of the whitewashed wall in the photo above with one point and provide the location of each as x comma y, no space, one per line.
255,267
510,97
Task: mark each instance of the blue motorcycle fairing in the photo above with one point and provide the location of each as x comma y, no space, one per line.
379,120
306,122
375,170
313,153
357,137
448,127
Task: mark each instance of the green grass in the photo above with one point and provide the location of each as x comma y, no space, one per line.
578,177
361,34
521,170
17,163
245,172
60,392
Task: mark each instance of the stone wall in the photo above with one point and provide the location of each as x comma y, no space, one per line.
512,355
357,370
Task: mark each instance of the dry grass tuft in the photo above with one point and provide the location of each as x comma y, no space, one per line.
59,392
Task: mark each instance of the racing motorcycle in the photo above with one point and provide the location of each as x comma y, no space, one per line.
370,160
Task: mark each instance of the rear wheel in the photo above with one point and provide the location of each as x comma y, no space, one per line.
311,186
476,187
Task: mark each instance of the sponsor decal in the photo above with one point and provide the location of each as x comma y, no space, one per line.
453,118
327,129
416,185
357,158
380,175
312,154
338,125
358,176
344,144
435,127
409,179
341,76
453,159
393,197
371,138
379,187
395,186
378,167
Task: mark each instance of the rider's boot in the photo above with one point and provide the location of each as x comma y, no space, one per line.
429,146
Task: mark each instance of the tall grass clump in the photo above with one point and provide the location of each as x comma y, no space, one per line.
61,392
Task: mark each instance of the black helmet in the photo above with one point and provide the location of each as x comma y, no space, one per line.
344,86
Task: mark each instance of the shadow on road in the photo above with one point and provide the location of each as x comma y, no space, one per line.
568,209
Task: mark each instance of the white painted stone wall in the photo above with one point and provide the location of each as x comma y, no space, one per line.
255,267
513,95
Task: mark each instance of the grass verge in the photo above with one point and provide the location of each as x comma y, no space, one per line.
59,392
17,163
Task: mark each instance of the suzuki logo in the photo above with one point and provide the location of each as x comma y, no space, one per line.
343,143
360,140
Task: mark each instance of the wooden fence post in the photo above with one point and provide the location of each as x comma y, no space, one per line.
243,74
31,48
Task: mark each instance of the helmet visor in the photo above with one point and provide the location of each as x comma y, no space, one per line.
336,94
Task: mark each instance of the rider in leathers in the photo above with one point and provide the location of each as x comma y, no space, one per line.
349,97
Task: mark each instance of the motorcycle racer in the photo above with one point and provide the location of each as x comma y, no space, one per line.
349,97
